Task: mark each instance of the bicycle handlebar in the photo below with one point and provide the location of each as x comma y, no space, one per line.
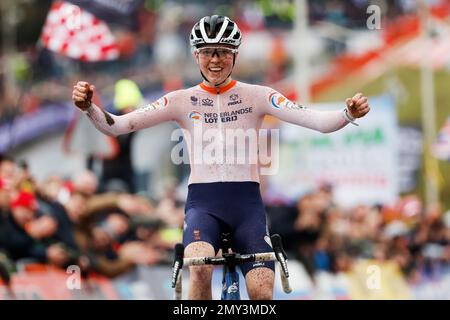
239,258
278,254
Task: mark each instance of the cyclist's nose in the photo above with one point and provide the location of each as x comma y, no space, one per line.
215,52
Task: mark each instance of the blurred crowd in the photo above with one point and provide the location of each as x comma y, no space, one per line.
65,222
327,237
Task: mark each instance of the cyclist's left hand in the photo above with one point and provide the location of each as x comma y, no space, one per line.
358,106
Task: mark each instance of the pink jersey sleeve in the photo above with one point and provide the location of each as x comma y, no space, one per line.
161,110
277,105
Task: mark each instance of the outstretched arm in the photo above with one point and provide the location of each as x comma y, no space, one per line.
323,121
113,125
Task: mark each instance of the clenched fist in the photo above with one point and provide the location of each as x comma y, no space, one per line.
82,94
358,106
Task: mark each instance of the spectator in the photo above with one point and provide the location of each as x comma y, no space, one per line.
16,234
4,200
8,172
85,182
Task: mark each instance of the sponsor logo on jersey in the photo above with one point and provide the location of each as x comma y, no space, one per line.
150,106
234,100
207,102
195,115
277,100
196,235
226,116
158,104
162,102
194,100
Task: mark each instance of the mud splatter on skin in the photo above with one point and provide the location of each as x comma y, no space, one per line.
108,118
260,283
200,276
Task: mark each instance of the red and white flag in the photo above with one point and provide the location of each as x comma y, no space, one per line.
76,33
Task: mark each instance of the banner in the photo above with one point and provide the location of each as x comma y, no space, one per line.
361,162
27,127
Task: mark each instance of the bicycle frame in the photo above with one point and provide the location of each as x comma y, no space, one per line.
230,280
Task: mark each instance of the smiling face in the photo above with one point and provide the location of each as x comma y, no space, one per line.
216,63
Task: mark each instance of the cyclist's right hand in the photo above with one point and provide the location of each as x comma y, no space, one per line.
82,94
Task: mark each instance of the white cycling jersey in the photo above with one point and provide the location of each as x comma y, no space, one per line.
230,112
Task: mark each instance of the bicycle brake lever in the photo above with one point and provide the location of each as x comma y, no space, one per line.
277,245
280,254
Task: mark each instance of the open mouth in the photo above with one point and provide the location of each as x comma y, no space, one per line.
215,69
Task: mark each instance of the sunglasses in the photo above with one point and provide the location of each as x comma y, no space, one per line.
222,53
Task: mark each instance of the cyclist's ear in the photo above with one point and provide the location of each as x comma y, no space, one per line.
195,53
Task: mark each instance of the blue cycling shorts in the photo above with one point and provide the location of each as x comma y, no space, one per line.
235,207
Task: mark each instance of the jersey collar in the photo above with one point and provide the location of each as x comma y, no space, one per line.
221,89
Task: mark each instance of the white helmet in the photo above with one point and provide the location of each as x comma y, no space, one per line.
215,30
